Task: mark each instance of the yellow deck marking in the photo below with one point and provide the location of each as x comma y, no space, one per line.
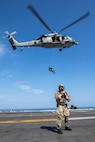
42,120
27,121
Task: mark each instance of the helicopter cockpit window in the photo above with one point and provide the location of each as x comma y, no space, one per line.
55,39
58,39
63,37
41,37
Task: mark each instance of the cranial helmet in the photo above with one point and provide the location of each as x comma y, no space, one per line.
61,85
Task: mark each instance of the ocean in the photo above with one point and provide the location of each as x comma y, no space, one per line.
38,109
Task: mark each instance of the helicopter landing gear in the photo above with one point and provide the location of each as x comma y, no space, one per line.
21,49
60,49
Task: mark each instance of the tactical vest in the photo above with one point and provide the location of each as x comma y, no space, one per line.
61,101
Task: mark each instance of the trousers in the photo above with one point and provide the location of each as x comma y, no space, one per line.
62,114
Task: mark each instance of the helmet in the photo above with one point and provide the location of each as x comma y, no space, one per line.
61,85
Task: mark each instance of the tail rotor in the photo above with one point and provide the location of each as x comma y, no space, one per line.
9,34
11,39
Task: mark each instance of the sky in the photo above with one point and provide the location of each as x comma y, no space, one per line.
25,81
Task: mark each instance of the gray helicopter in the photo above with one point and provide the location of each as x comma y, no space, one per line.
52,40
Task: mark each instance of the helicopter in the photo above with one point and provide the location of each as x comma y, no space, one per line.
51,40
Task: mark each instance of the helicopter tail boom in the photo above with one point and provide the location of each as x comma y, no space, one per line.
13,42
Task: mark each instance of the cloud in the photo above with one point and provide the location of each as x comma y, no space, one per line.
37,91
24,87
5,74
27,88
2,49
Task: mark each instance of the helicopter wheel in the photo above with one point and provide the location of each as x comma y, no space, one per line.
60,50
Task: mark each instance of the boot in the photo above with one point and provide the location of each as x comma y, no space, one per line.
59,131
68,128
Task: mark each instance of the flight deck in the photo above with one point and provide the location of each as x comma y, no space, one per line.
40,126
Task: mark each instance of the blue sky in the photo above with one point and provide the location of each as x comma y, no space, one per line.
25,81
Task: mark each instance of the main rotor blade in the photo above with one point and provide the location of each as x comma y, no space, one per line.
38,16
76,21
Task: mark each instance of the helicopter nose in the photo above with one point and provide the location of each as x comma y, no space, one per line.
76,42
